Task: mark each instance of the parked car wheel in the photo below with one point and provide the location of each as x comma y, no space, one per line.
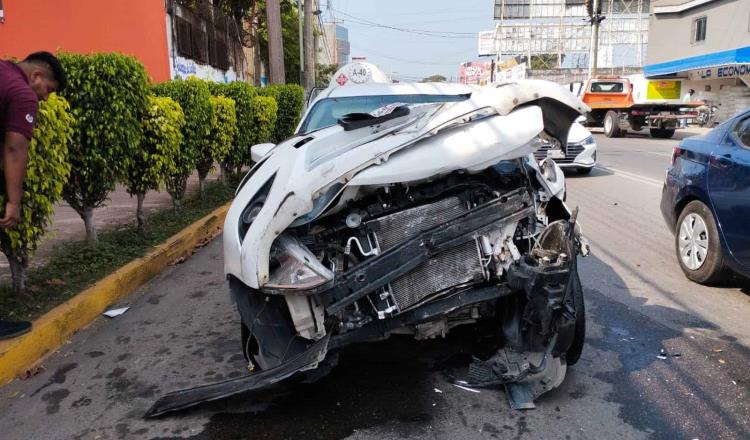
697,244
662,133
611,127
584,170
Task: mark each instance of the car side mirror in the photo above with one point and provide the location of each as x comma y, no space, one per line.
259,151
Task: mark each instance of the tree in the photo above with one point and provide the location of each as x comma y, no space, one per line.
193,96
543,62
434,78
290,98
324,73
108,94
162,129
223,129
47,172
242,93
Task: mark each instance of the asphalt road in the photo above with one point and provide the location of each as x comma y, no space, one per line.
181,331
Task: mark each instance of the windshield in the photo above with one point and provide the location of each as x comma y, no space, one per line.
327,111
607,87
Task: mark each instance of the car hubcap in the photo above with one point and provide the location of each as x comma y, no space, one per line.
608,125
693,241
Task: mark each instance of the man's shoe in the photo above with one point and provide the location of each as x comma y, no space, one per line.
11,329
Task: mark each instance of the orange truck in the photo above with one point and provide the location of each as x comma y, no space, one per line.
619,104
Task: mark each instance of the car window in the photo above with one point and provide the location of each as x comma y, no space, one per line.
607,87
327,111
742,131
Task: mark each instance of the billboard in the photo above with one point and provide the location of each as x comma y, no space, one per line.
475,72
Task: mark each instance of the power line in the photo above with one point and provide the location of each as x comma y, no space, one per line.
423,32
413,61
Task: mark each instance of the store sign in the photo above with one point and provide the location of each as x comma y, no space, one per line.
730,71
663,89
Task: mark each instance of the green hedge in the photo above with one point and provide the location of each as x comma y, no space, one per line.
162,129
223,130
193,95
264,110
290,99
108,94
242,93
47,171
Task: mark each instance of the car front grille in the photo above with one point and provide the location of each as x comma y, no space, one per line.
571,151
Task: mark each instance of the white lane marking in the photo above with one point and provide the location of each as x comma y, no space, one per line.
631,176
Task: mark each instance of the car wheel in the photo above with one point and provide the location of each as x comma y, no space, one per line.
611,127
579,336
697,244
584,171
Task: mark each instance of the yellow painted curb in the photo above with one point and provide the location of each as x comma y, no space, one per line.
19,355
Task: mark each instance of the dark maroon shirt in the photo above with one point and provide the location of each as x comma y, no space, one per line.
18,102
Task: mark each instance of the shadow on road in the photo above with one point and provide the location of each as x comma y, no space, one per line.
698,390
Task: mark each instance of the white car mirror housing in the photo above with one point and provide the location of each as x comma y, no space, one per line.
259,151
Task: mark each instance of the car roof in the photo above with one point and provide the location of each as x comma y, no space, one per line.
396,89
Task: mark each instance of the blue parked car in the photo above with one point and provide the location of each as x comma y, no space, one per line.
706,201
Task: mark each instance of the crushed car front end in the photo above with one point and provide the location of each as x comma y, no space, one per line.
417,221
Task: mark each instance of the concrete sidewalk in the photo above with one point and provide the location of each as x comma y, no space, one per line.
119,210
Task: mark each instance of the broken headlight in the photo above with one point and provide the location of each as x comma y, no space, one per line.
293,266
253,208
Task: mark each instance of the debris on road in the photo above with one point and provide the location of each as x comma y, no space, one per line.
115,312
466,388
438,391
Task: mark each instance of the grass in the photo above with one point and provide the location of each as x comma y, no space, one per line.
74,266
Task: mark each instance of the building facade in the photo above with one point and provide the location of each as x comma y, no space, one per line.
169,39
333,48
707,43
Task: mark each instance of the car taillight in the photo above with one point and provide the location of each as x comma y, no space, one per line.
676,151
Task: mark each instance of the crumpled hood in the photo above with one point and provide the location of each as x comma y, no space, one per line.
298,179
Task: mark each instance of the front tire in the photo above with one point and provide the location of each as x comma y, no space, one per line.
611,125
697,245
579,337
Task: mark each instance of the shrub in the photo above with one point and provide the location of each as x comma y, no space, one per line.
290,99
193,96
162,131
242,93
263,110
108,98
223,129
46,173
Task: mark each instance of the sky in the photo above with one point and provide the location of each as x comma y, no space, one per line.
441,35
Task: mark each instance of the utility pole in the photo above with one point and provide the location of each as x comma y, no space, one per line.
594,9
301,44
275,42
309,49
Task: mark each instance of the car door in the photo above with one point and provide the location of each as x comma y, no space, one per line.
729,188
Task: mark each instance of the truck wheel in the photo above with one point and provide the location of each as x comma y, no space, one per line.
697,245
662,133
611,127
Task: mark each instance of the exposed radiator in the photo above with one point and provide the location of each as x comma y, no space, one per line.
450,268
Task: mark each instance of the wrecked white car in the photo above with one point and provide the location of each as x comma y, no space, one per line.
413,218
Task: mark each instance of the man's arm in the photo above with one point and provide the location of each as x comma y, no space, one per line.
15,158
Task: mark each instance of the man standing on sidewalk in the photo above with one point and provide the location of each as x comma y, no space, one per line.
22,85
